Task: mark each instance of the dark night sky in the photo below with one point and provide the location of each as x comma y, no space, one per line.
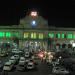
58,13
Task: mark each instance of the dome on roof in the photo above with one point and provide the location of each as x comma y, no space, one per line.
39,22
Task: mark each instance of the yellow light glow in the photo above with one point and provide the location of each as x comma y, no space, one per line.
45,52
33,35
49,53
25,35
40,35
50,57
34,13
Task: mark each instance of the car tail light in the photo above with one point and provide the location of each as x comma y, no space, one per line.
41,55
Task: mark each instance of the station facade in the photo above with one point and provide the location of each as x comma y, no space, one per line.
34,32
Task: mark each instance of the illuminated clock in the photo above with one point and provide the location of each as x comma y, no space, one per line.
33,23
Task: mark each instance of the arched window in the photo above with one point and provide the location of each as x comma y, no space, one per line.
69,36
40,35
63,35
26,35
51,35
8,34
2,34
58,35
33,35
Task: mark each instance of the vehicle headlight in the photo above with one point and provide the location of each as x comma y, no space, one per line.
49,53
45,52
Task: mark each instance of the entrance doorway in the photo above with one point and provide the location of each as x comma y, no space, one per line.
35,45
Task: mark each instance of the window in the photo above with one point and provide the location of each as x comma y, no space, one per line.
63,35
51,35
58,35
33,35
40,35
70,36
2,34
26,35
74,36
8,34
15,34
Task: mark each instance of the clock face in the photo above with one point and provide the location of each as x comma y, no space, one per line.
33,23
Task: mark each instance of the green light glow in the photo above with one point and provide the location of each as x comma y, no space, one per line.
70,36
1,34
16,34
63,35
58,35
8,34
74,36
51,35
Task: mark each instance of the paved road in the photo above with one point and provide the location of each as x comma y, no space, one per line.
42,69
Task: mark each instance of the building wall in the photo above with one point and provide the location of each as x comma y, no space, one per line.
41,27
21,32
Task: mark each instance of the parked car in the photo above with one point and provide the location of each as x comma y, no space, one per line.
60,70
8,66
55,63
22,60
12,60
31,65
2,54
16,57
16,51
27,54
21,67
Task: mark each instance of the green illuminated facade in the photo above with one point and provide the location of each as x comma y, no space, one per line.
36,35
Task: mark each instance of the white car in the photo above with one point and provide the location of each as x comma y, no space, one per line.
12,60
16,51
8,66
27,60
26,50
16,57
55,63
30,65
59,70
27,54
21,67
22,60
